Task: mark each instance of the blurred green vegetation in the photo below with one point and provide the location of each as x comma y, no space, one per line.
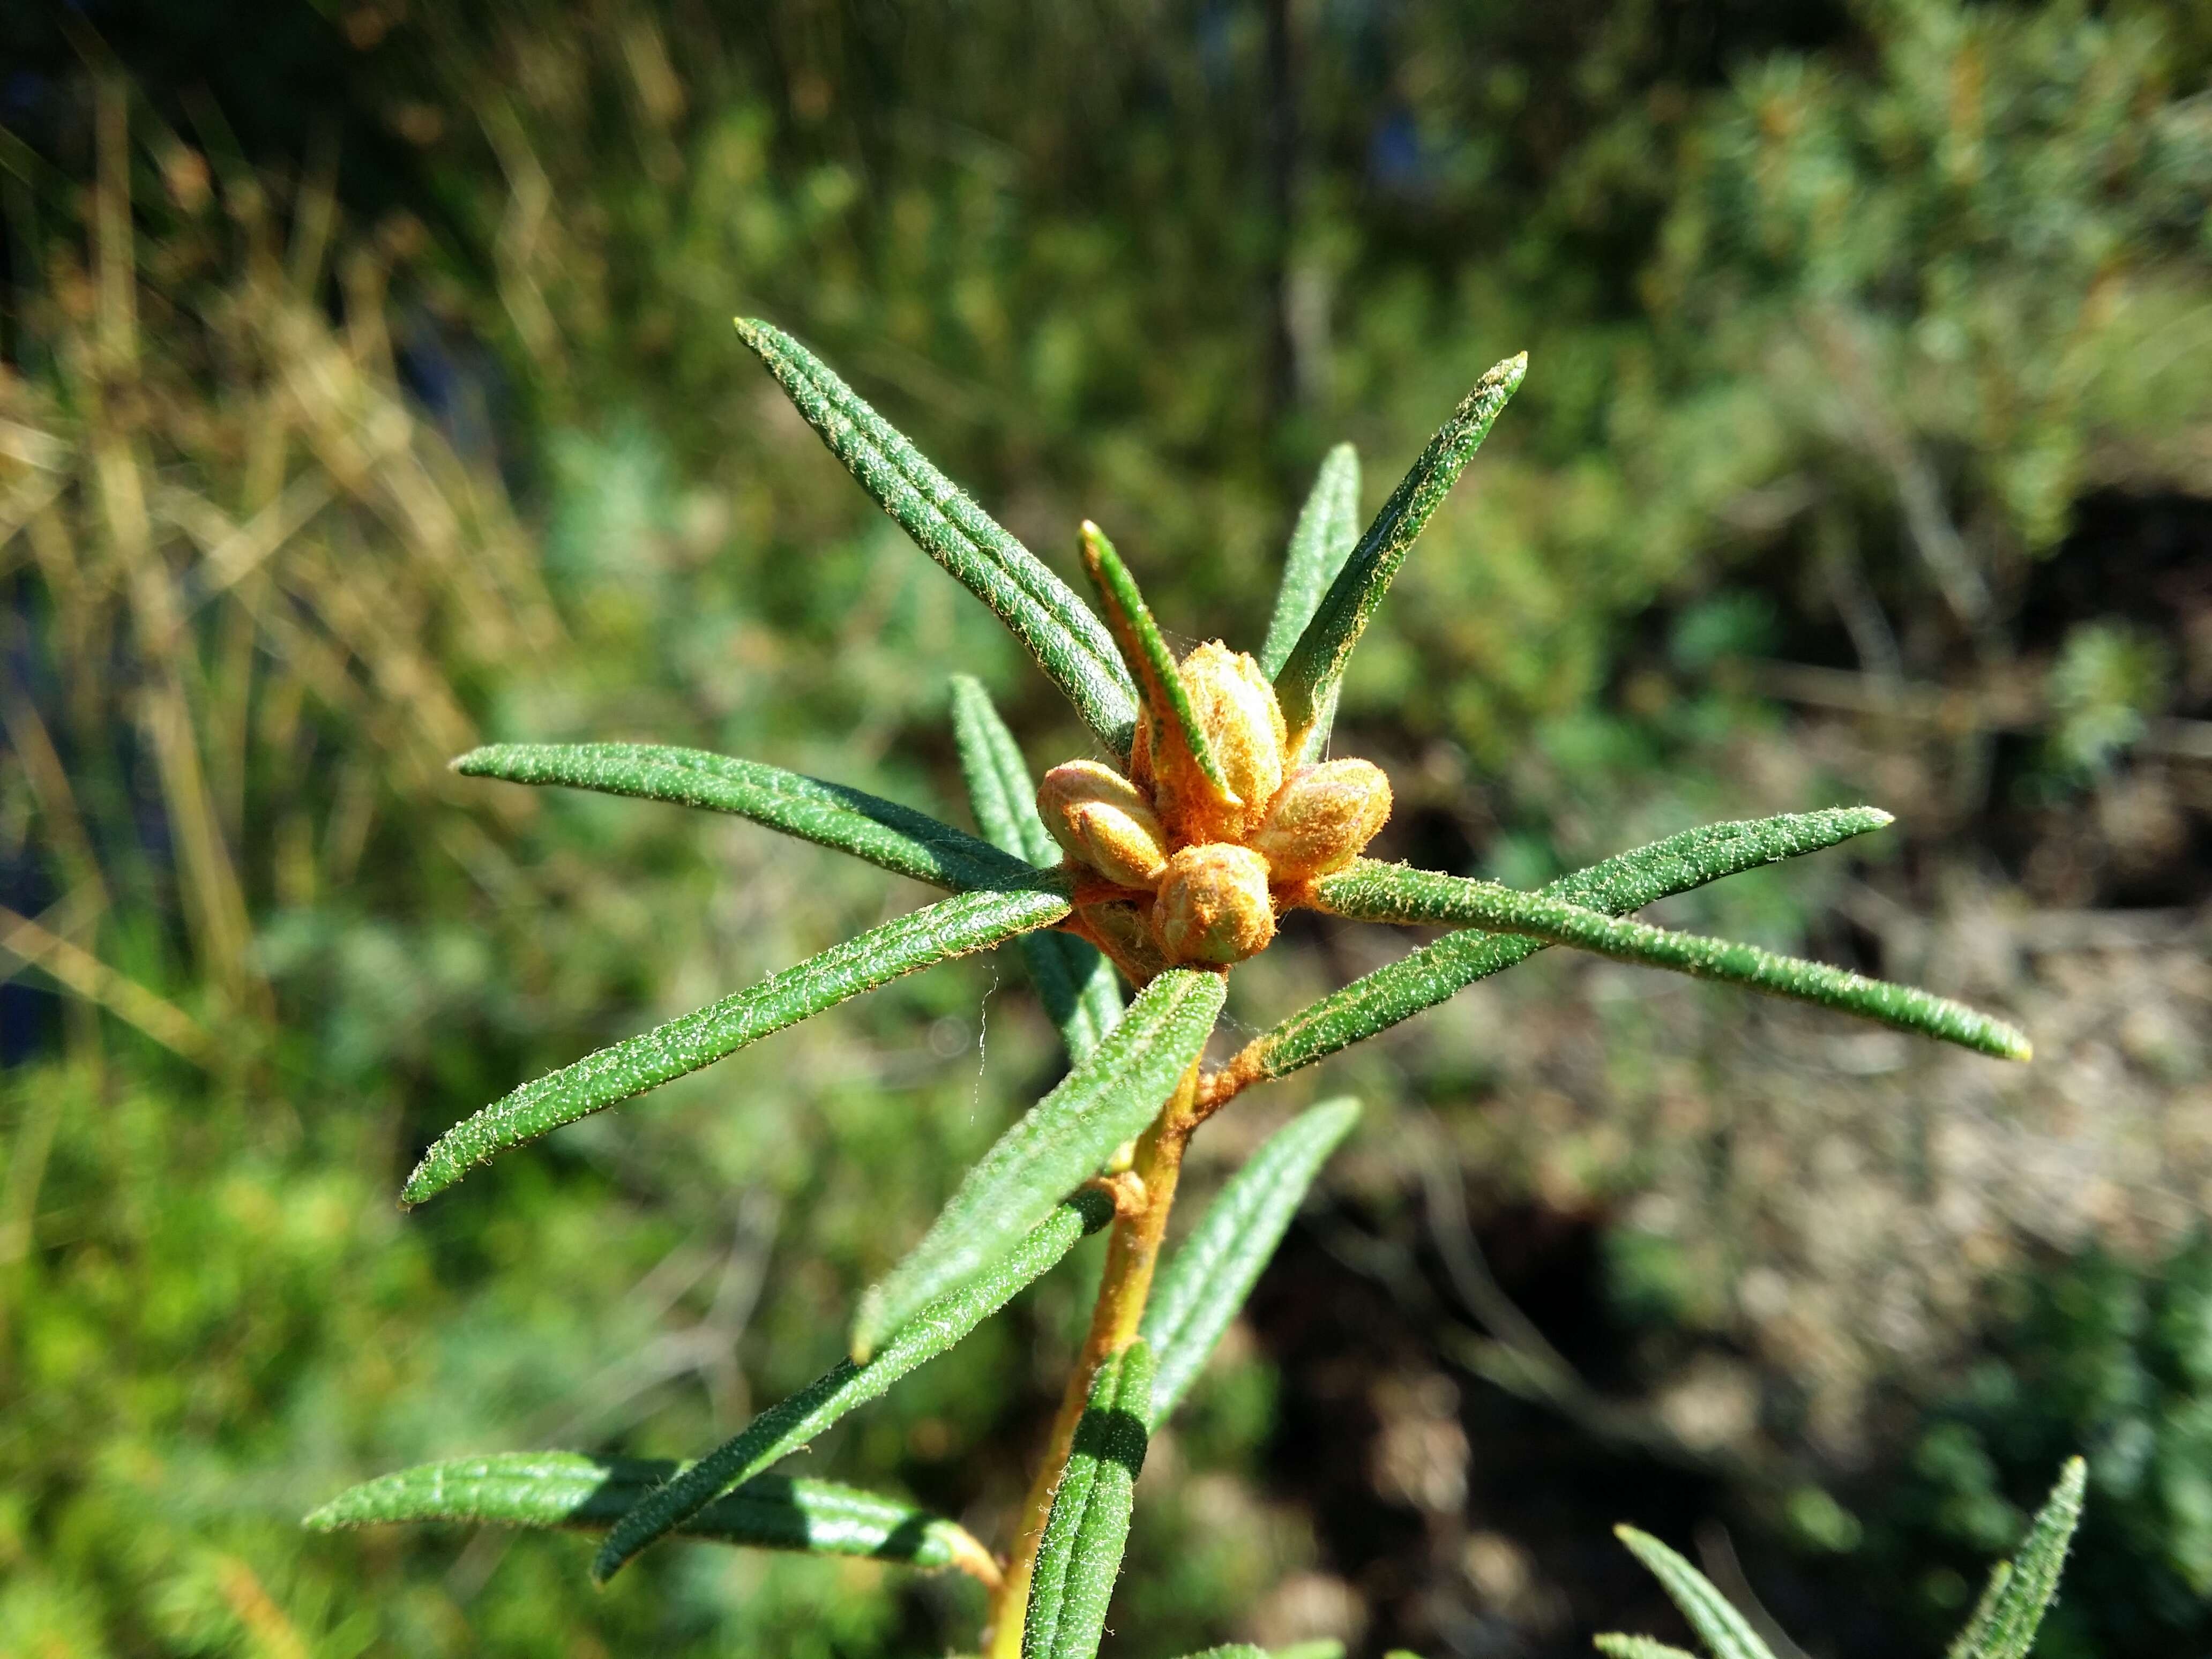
345,426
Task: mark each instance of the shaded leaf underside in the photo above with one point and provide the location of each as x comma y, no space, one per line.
897,838
1074,980
1322,539
788,1425
568,1489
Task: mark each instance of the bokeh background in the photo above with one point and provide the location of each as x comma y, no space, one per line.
368,389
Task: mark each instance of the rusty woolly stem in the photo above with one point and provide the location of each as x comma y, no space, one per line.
1133,1251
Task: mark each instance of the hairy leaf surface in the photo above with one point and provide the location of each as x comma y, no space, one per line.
950,927
1711,1614
1066,639
2011,1610
1200,1290
1628,881
1066,1138
787,1426
1369,891
828,814
1075,983
1308,681
1088,1526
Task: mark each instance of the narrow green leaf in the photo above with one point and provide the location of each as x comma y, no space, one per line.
1307,682
1636,1647
1080,1555
1974,1638
1066,1138
1369,891
567,1489
1074,980
1328,530
784,1428
828,814
2004,1625
1164,693
1041,611
1628,881
1711,1614
950,927
1201,1290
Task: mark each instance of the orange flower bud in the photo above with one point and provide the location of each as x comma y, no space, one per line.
1213,905
1104,821
1236,709
1323,818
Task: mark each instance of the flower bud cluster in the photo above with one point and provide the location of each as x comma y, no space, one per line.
1217,863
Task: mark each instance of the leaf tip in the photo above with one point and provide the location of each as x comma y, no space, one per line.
425,1182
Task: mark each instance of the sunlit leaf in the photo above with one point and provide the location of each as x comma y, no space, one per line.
1327,531
1068,641
1711,1614
1628,881
788,1425
1201,1288
1075,983
1307,682
1066,1138
1084,1536
1154,663
1369,891
1636,1647
828,814
950,927
2011,1610
568,1489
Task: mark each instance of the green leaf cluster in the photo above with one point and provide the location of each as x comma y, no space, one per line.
1026,1202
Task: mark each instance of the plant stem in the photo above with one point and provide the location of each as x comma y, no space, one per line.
1133,1251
